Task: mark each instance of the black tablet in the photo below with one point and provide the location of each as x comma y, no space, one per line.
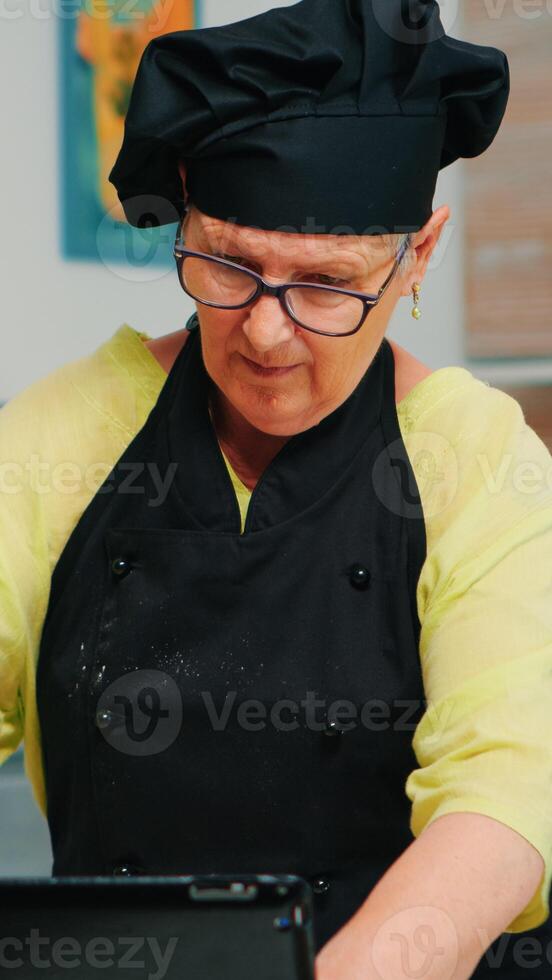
193,927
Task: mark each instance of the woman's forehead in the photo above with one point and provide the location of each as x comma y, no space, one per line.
229,237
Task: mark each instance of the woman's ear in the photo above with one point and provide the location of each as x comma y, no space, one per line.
421,247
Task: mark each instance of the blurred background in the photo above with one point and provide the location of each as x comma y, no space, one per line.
67,284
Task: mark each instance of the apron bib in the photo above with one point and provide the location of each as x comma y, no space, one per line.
212,701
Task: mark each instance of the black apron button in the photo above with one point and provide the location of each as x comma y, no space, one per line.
127,870
359,576
104,718
120,566
332,728
320,885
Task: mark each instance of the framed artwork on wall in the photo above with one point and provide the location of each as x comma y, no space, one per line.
100,45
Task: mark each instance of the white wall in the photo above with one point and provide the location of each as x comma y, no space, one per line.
55,310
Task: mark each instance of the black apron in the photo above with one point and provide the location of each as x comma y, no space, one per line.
212,701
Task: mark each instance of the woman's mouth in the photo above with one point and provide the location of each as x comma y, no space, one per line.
268,372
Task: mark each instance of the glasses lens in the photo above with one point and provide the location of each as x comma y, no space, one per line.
325,309
214,282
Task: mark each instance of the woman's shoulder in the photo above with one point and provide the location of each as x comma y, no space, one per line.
452,393
167,348
92,384
409,371
74,422
479,465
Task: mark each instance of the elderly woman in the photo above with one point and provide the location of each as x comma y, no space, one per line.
293,616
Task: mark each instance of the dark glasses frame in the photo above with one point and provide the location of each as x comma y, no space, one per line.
180,252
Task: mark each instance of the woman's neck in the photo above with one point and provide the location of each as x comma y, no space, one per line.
248,450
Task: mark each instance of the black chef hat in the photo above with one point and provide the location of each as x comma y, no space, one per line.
329,116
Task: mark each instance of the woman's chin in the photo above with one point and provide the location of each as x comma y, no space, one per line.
270,410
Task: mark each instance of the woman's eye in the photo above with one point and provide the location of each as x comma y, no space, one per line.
324,280
329,281
236,259
231,258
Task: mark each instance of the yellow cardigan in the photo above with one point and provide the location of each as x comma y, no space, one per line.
484,594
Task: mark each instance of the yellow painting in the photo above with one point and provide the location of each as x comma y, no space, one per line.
111,36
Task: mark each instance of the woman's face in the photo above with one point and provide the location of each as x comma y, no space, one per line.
326,369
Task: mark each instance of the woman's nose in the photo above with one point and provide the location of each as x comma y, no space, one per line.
267,325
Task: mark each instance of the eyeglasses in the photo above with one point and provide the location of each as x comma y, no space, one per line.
326,310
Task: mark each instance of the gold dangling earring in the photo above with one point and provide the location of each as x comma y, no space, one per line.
416,312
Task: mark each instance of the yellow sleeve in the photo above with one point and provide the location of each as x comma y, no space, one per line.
24,574
484,743
11,658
